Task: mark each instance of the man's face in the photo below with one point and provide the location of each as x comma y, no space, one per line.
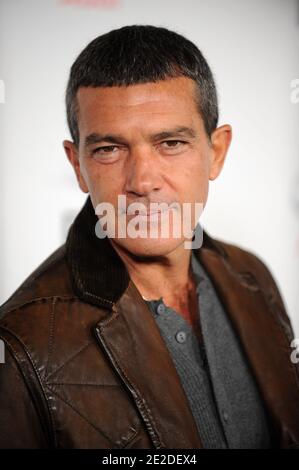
146,142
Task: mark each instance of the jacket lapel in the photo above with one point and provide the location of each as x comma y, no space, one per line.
138,353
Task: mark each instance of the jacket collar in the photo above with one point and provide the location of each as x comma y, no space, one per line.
99,275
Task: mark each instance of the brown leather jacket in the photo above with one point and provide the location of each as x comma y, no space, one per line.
86,366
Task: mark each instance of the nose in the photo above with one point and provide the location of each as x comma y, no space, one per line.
143,175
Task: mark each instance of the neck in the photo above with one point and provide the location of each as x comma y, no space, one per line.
168,276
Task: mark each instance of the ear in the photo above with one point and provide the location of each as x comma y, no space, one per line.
72,154
220,142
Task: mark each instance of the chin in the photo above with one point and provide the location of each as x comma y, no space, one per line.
148,247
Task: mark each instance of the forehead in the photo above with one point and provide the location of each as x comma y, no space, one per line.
170,99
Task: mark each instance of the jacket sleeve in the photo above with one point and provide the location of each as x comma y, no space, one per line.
20,426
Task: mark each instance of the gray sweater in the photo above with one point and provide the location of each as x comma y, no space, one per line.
216,377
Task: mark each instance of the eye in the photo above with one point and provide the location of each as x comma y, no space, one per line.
173,147
107,149
173,143
107,153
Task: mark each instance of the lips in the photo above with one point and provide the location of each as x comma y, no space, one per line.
148,214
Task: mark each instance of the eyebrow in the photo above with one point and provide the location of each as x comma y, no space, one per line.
96,138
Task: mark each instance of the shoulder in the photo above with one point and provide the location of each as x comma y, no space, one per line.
44,322
49,280
46,298
247,265
252,272
28,316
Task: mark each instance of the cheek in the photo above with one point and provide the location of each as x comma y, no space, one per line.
104,185
194,180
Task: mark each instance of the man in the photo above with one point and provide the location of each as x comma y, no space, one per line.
139,341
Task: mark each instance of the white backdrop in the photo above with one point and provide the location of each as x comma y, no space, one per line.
253,49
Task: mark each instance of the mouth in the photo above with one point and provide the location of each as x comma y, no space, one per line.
148,214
